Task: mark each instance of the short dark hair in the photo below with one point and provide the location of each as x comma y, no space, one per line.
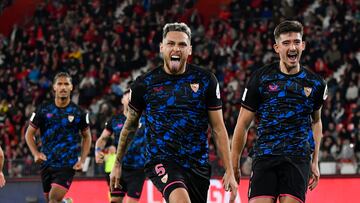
288,26
179,27
62,74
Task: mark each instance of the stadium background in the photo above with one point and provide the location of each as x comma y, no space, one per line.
106,44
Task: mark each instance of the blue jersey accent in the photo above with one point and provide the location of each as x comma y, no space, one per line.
176,112
283,105
60,133
135,155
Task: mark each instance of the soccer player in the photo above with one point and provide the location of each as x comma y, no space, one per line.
287,99
60,122
132,176
179,100
2,178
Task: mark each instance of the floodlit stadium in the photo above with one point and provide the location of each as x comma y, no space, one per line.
104,46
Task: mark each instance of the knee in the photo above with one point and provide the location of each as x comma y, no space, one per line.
55,199
116,200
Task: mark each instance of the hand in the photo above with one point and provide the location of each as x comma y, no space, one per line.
99,157
40,157
230,184
2,179
115,177
78,166
315,176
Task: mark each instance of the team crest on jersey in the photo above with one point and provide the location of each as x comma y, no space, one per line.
194,87
71,118
165,178
307,91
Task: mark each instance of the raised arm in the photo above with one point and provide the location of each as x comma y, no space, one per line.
317,134
223,146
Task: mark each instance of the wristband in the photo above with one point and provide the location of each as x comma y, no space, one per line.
98,149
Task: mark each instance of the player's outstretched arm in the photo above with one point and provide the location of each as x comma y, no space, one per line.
223,146
317,134
126,135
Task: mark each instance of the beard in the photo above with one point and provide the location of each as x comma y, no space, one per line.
175,67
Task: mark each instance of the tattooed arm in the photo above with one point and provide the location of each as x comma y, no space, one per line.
126,136
127,133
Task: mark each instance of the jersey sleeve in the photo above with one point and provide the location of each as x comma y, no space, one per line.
251,97
136,97
213,99
36,117
320,95
84,121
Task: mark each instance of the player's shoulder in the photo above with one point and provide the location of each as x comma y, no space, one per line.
313,76
46,105
199,70
149,74
267,69
76,107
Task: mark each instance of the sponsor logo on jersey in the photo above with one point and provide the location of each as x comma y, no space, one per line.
307,91
273,88
194,87
165,178
158,89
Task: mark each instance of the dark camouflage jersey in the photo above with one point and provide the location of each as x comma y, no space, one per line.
283,105
60,133
135,155
176,113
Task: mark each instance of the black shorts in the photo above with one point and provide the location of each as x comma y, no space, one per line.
274,176
132,181
168,176
62,177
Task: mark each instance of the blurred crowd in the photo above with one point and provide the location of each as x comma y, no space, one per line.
106,44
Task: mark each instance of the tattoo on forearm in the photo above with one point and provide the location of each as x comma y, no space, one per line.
127,133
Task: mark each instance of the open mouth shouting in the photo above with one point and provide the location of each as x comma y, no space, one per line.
292,56
175,62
